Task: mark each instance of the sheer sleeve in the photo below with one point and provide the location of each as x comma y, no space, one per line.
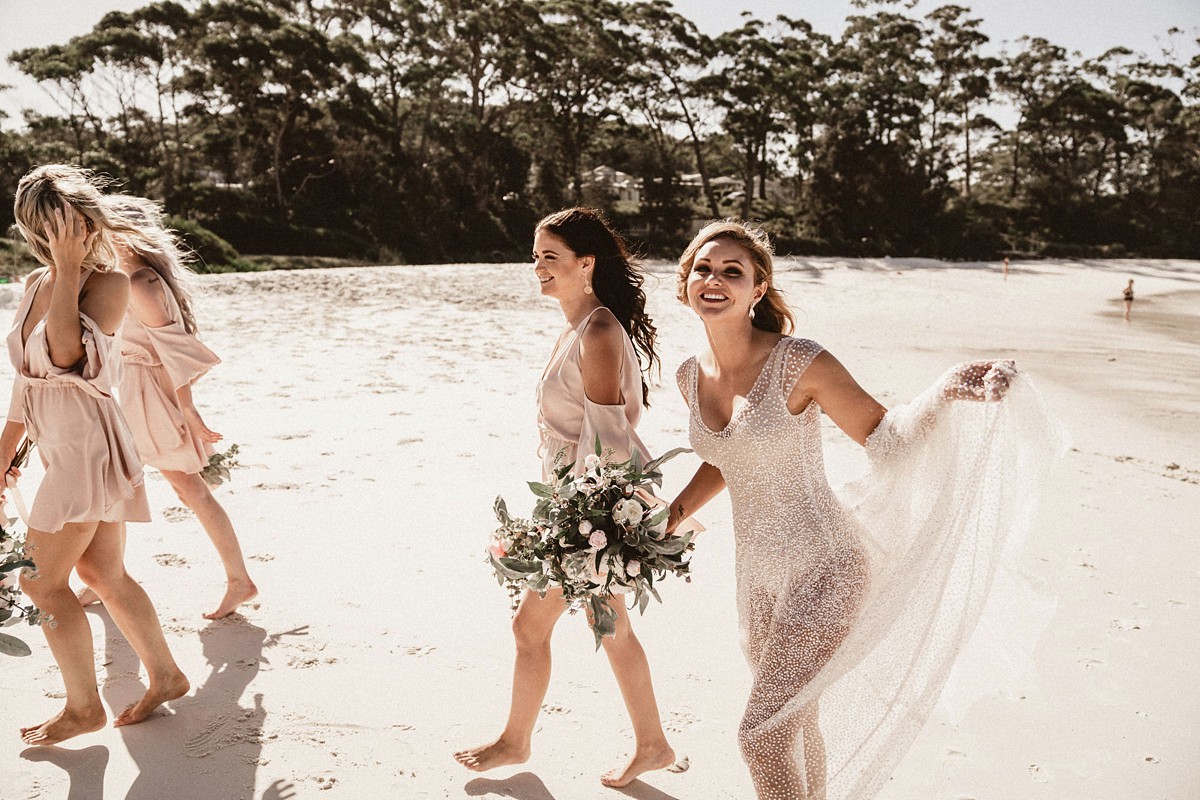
683,378
612,427
797,356
946,505
183,356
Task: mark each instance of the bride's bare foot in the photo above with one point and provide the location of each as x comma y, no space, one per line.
237,591
86,596
489,756
642,761
64,725
159,692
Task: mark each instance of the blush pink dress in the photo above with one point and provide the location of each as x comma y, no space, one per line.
92,468
569,422
158,362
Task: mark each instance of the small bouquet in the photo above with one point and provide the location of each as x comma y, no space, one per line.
219,464
594,535
12,560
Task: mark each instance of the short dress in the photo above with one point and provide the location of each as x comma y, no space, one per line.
93,472
569,422
158,362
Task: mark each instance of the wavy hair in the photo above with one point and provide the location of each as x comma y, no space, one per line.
159,246
53,187
771,313
617,278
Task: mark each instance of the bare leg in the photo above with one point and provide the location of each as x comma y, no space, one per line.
532,628
1128,307
789,645
68,633
632,670
196,495
102,569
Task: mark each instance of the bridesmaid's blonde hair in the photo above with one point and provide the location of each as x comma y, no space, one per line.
51,188
156,244
772,313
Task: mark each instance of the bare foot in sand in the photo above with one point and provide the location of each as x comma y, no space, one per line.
87,597
489,756
642,761
64,725
236,592
158,693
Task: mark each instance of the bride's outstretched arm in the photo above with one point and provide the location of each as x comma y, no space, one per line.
831,386
706,484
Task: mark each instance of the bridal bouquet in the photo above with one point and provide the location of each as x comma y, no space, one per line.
12,561
593,535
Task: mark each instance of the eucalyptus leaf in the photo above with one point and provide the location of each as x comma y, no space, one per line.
12,646
664,458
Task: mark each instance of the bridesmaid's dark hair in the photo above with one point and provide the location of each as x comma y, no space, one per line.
617,279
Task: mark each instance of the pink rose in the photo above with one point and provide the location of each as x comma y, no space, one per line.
598,540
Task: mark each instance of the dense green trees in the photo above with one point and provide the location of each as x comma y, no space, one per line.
440,129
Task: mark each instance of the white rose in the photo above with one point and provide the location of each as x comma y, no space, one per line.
627,512
634,568
591,461
585,527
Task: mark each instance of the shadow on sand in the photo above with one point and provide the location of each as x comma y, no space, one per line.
527,786
205,745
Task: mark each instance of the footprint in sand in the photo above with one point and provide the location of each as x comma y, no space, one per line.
170,560
177,514
1090,663
1039,774
1128,624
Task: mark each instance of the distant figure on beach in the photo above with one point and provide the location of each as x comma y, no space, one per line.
163,358
64,348
1006,268
1128,293
851,617
592,387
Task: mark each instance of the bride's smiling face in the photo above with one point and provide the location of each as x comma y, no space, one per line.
559,270
721,281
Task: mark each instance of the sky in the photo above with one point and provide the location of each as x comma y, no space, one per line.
1088,26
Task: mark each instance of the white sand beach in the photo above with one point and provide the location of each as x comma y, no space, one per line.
379,411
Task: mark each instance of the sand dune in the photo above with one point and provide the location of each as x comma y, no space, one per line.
380,410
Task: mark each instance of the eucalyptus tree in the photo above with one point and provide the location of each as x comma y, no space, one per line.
746,83
962,85
575,65
668,88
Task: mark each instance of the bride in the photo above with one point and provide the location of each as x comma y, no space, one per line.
850,618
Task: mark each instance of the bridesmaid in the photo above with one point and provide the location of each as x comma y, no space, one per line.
591,387
868,628
63,346
162,359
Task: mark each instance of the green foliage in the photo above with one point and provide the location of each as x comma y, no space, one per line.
432,130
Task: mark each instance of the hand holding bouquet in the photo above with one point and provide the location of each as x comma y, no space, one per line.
592,535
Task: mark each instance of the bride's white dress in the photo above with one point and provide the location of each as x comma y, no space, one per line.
862,607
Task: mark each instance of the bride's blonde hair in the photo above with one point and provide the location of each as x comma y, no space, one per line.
772,312
157,245
51,188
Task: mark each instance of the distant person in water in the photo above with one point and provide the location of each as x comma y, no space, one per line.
1128,298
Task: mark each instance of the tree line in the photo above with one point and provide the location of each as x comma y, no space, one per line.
441,130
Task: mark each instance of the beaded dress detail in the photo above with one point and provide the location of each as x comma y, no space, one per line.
862,607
